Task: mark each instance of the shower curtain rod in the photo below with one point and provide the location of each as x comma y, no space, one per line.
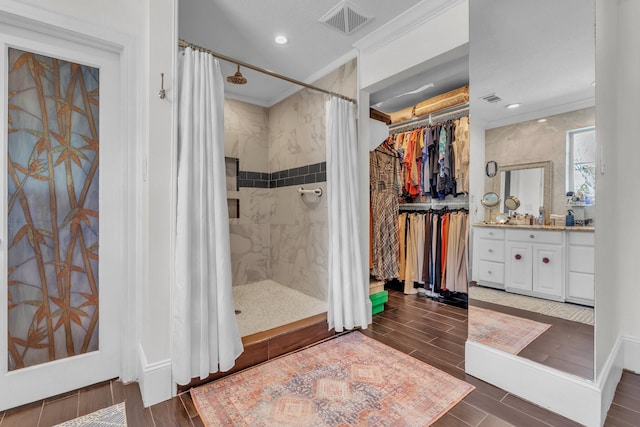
183,43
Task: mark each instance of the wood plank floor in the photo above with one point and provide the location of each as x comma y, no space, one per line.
566,345
427,330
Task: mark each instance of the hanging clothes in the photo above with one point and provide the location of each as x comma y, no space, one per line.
426,249
384,173
402,239
461,154
434,251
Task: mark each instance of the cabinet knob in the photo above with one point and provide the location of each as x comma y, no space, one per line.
489,272
531,236
545,260
518,256
490,251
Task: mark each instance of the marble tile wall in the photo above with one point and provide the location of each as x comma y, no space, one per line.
531,141
299,225
281,235
246,138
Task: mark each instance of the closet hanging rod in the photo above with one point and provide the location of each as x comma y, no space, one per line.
185,44
439,204
431,118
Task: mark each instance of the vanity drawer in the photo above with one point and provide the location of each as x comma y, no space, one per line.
489,271
581,259
583,238
491,250
489,233
536,236
581,287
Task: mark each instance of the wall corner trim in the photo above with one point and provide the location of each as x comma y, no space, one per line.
155,380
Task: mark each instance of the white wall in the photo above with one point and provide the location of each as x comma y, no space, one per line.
625,160
617,109
608,281
413,38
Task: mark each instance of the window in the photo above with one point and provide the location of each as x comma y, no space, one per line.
581,162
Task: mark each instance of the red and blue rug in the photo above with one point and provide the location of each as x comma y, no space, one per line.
349,380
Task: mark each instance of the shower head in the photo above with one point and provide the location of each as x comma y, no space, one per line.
237,78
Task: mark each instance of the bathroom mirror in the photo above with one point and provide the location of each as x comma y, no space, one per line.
491,168
490,200
529,182
540,55
511,203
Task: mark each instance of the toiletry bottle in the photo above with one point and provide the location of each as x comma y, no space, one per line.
569,219
541,216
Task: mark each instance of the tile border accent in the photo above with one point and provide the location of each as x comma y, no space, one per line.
307,174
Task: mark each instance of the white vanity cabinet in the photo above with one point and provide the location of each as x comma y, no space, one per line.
580,271
534,264
488,256
555,264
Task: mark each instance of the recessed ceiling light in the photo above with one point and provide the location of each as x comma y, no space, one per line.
281,39
511,106
542,120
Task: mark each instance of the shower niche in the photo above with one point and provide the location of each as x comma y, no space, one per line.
232,168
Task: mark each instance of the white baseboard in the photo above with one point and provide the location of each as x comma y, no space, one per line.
156,382
631,354
562,393
609,377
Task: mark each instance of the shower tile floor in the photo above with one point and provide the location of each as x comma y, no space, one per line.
267,304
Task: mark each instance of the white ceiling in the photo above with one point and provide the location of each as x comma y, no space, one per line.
539,53
245,29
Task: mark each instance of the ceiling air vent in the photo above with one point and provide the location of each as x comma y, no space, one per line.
345,17
493,98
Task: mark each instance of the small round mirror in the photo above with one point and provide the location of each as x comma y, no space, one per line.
490,200
491,168
512,203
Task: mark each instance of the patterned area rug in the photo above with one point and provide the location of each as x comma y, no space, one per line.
573,312
349,380
113,416
503,331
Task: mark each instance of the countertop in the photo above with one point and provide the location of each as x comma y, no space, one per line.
536,227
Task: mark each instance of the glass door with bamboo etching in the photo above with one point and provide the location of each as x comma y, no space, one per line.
60,139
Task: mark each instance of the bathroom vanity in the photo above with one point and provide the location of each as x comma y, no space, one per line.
550,262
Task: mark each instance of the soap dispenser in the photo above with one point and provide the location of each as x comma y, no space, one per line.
569,219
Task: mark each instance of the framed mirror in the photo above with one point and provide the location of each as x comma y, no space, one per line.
530,183
491,168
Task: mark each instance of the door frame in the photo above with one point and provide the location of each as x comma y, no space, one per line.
30,19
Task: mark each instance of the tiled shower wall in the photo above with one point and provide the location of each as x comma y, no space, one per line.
246,138
281,235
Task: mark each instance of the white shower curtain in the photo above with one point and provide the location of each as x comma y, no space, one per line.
346,308
205,333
